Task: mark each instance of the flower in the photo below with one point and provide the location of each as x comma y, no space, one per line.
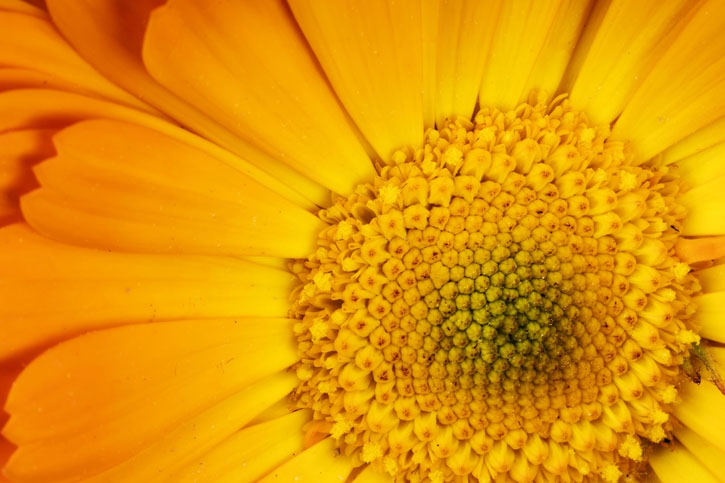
364,241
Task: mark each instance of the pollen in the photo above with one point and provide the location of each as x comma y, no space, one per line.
503,302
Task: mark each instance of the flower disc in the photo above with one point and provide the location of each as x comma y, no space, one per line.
502,300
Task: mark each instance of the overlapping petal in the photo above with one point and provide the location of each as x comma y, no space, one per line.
139,190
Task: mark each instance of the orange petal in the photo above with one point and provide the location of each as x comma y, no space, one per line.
251,453
109,34
6,450
51,291
123,187
623,49
22,7
19,151
41,108
683,92
260,82
693,250
30,42
372,53
316,464
116,396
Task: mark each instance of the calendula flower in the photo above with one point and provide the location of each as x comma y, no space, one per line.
363,241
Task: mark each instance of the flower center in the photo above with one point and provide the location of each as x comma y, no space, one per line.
502,300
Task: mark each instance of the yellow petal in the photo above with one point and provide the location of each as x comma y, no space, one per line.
20,150
710,312
683,92
710,457
712,278
710,135
429,29
372,53
260,82
705,209
530,50
251,453
320,463
50,291
704,166
44,108
557,48
33,43
677,465
104,396
123,187
700,410
197,436
463,39
624,47
372,475
109,34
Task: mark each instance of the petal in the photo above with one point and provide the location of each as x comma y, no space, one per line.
705,209
624,47
19,150
50,291
429,28
530,50
41,108
371,475
30,42
713,133
123,187
710,311
148,453
463,39
373,55
251,453
677,465
684,90
260,82
693,250
700,409
198,435
22,7
6,450
712,278
711,457
705,166
557,48
122,388
320,463
109,34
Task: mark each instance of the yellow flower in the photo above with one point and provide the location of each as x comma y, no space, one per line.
362,241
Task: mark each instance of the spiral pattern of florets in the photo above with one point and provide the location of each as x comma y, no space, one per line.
503,300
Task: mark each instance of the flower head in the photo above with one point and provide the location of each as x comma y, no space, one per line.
362,241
